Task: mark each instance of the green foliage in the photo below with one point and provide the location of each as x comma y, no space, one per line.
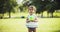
7,6
47,5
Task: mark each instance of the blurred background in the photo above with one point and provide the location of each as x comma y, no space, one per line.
13,14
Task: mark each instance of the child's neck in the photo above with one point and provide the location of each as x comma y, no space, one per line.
31,14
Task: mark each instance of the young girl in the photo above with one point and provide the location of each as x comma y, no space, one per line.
31,19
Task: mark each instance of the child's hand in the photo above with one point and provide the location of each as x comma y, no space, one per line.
28,21
35,20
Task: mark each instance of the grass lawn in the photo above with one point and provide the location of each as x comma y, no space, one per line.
18,25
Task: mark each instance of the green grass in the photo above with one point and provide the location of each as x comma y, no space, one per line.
18,25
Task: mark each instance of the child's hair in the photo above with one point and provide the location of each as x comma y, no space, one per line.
32,6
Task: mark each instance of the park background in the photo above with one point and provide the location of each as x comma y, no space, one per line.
13,15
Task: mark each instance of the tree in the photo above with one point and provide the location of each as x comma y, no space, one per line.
7,6
58,4
2,8
51,7
40,5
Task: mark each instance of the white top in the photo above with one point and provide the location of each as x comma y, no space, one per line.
32,24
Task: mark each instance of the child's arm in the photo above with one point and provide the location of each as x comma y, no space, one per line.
27,20
36,19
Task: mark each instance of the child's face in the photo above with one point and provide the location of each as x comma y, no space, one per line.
31,10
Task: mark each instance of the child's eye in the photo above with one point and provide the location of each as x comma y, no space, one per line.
30,8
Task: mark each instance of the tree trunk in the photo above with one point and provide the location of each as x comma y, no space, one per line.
47,14
1,16
42,14
9,14
52,15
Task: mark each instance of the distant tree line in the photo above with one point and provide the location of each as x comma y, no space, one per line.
42,5
45,5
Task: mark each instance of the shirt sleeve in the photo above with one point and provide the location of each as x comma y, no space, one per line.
36,18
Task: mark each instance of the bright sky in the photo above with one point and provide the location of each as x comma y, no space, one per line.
19,1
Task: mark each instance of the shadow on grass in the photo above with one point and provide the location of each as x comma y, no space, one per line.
14,18
22,17
57,31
